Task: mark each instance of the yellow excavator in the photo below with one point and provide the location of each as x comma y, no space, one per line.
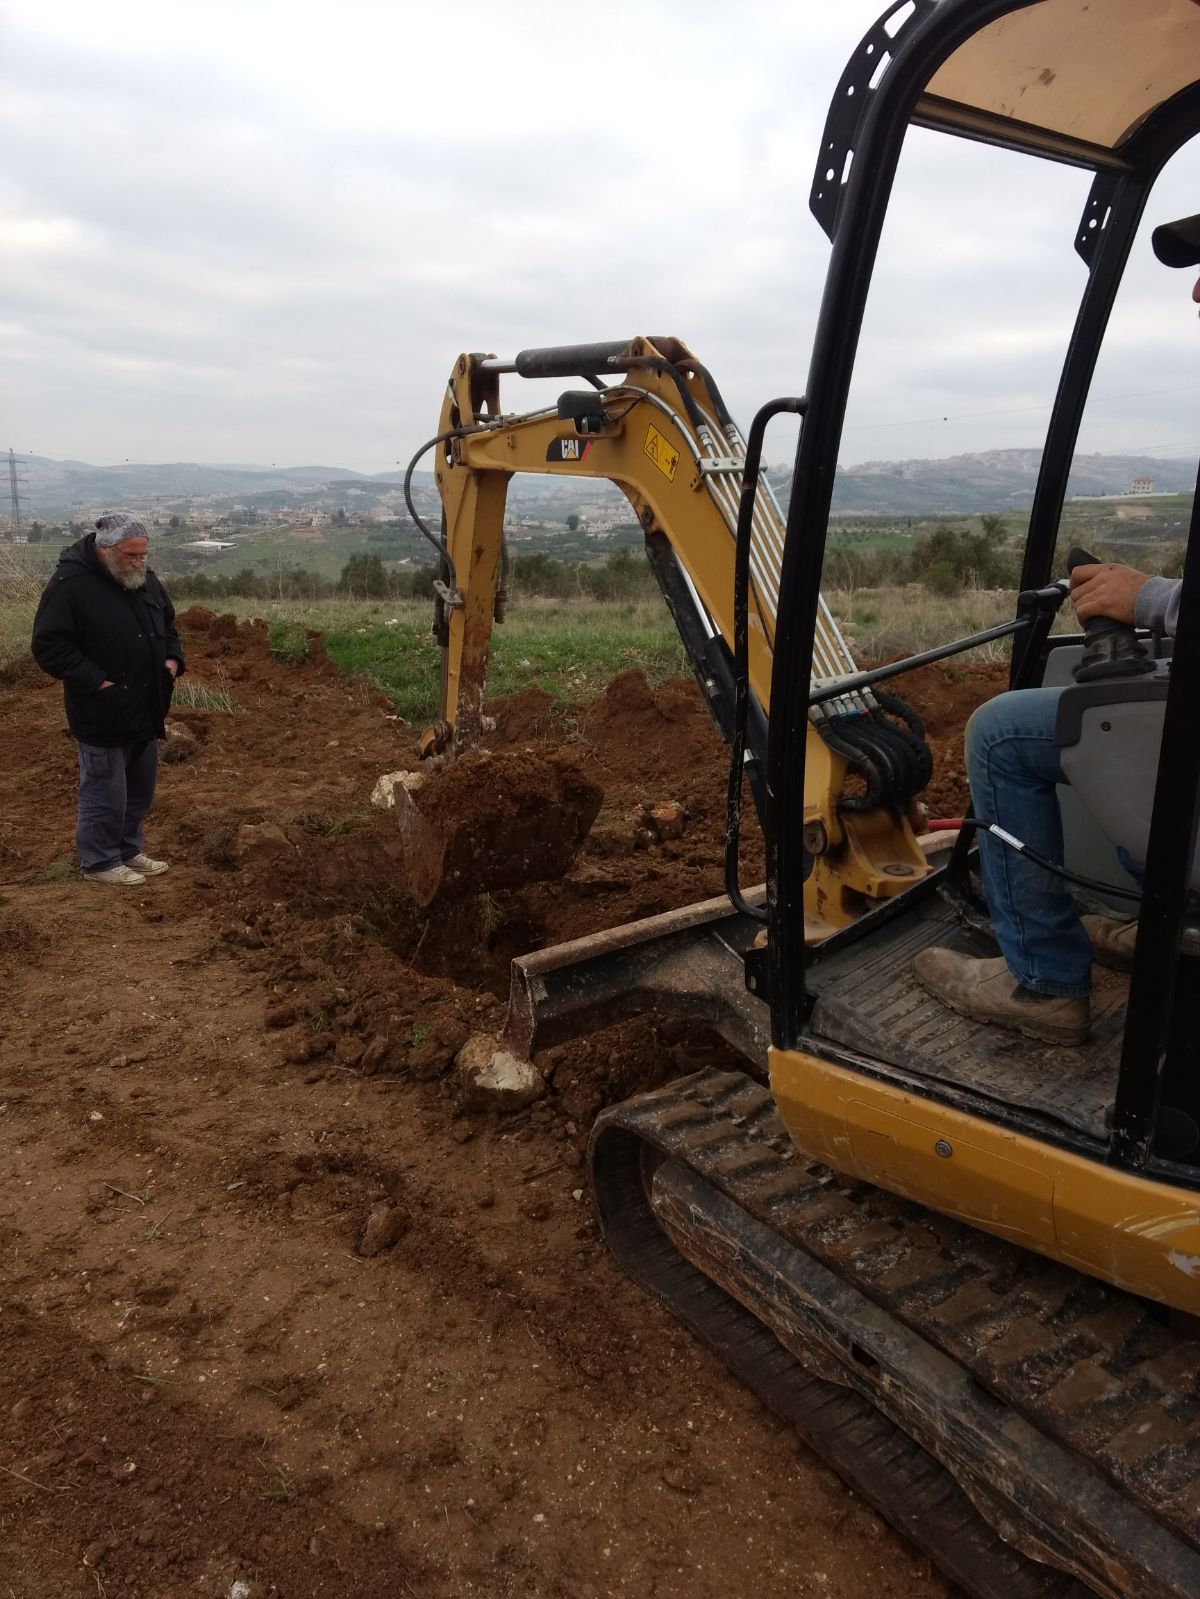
964,1264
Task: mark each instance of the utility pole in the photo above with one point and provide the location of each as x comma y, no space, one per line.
13,463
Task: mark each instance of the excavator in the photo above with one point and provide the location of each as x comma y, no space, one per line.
965,1265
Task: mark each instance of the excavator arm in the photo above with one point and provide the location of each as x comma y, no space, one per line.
660,431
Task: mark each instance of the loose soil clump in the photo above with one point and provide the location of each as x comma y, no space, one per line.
281,1317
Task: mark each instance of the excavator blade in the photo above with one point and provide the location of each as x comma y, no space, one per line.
685,962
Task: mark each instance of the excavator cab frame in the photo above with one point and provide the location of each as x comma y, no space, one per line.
962,67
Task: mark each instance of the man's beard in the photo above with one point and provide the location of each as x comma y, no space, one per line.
131,579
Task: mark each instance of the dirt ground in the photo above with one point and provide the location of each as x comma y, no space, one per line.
279,1317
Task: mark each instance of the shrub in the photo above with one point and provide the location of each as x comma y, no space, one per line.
941,578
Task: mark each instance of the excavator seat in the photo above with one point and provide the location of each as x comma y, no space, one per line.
1109,734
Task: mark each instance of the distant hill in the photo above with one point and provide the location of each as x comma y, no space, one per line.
58,488
993,480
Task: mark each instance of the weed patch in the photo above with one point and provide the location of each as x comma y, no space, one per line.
191,696
58,871
288,642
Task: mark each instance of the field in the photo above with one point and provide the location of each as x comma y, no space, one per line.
278,1311
569,649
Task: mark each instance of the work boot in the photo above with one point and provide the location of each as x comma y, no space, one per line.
147,867
986,991
1112,939
122,875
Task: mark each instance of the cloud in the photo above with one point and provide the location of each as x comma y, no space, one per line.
263,231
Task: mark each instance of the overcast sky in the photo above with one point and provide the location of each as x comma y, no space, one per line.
261,232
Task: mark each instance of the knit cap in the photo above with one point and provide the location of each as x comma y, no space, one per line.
117,526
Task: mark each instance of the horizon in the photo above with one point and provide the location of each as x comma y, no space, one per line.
34,457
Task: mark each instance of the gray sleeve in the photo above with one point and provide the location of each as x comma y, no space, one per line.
1157,605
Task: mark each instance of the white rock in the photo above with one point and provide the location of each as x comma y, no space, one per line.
492,1078
383,795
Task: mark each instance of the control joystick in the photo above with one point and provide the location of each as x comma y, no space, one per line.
1110,648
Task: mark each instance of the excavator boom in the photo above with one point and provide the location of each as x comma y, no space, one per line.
663,435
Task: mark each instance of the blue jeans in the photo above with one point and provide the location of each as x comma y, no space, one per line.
1013,768
116,786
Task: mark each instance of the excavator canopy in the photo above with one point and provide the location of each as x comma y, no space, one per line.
1089,71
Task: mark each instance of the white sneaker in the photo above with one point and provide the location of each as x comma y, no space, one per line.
147,867
116,874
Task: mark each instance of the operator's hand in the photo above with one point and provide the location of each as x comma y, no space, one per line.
172,665
1106,589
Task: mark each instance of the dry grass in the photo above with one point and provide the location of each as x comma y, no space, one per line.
22,578
880,624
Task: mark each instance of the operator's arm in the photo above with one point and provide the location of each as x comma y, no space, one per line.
55,644
1126,595
1157,605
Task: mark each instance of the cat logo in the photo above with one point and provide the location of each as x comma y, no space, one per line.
568,449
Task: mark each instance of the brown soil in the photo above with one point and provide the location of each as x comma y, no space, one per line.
278,1319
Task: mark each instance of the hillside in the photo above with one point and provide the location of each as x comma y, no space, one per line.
994,480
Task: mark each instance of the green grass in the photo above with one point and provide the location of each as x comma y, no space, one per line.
288,641
571,649
58,871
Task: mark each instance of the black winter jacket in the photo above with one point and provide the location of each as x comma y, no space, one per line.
89,628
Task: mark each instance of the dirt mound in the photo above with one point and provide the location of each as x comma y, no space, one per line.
522,717
220,645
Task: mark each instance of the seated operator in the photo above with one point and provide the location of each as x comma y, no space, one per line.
1040,983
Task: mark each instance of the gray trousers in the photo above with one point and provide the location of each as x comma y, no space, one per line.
116,787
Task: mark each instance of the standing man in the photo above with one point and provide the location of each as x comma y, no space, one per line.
105,626
1041,981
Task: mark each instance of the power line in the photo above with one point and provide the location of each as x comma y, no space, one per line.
13,463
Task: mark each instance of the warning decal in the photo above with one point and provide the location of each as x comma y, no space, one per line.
665,456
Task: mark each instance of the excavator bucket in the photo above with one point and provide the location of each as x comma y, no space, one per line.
488,822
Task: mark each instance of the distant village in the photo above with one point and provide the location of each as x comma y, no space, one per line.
218,517
214,524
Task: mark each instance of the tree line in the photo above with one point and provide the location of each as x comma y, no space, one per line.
947,561
625,575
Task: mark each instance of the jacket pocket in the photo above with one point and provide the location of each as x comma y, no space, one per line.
100,716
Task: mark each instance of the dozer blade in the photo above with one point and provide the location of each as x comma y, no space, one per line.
685,962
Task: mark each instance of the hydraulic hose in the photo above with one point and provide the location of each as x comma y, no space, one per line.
1010,842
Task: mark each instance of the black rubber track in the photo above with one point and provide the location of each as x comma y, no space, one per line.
883,1465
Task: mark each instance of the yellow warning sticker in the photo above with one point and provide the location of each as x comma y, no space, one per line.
664,455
